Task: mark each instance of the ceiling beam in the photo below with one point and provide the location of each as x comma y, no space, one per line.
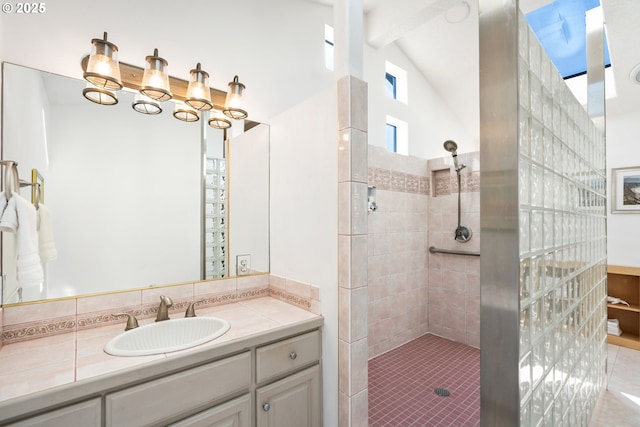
392,20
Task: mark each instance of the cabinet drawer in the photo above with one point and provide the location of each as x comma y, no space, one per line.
81,414
285,356
179,393
236,413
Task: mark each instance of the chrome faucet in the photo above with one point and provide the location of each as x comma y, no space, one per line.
163,309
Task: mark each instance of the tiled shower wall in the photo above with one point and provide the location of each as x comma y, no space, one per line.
397,250
412,292
562,233
352,252
454,280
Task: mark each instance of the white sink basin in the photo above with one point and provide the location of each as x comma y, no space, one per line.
167,336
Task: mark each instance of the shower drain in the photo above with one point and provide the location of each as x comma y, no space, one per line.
443,392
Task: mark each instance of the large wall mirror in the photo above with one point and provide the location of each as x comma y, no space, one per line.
128,192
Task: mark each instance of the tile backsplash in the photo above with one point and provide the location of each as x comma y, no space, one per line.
47,318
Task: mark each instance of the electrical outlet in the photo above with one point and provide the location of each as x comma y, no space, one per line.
243,264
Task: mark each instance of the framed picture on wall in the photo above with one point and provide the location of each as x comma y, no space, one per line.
625,190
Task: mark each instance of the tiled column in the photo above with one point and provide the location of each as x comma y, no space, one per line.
352,252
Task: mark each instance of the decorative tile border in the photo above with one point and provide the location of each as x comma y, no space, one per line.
253,293
442,183
302,295
296,300
33,330
218,299
385,179
446,183
81,321
96,320
412,184
471,183
398,181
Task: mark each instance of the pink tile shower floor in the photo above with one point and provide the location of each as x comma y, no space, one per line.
402,385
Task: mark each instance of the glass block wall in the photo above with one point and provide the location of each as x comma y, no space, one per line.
562,232
215,228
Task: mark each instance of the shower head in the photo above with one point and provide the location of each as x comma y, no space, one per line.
450,146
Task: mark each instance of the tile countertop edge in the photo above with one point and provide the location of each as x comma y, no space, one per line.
101,385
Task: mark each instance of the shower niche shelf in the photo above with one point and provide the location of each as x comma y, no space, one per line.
624,283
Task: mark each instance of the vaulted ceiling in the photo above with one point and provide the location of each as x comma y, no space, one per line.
441,38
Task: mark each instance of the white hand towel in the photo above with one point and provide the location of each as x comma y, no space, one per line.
48,250
9,221
28,264
3,202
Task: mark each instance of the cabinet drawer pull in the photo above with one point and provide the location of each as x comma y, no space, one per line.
266,407
293,355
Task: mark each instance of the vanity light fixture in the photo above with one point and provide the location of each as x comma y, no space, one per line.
217,120
185,113
198,94
99,96
145,105
155,81
106,75
103,70
233,103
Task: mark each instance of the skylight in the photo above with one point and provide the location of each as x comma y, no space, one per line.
560,28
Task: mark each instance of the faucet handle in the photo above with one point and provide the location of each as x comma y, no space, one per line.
191,312
132,322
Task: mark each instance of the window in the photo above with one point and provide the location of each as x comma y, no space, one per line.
560,28
395,82
392,138
328,47
396,136
390,86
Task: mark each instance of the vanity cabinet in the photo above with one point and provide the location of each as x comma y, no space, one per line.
269,379
624,283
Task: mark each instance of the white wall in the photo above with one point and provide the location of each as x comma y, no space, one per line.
623,150
304,220
431,121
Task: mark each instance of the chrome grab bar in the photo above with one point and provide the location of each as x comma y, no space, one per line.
435,250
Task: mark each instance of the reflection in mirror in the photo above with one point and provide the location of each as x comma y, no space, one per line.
127,191
249,201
